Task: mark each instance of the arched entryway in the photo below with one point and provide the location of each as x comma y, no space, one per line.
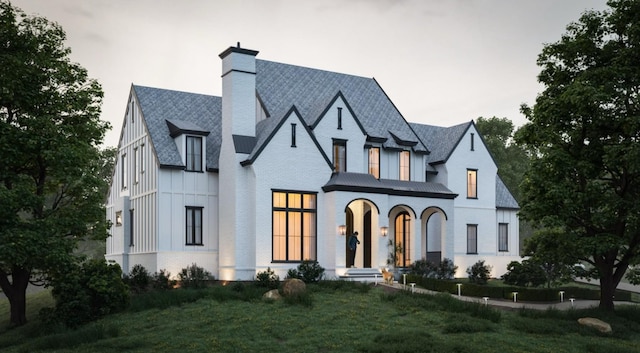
361,216
401,237
434,221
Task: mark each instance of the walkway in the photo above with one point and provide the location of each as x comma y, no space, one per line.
511,305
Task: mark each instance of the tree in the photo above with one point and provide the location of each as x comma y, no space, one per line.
51,188
585,131
554,253
512,159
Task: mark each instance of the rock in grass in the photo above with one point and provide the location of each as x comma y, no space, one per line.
293,286
272,294
595,323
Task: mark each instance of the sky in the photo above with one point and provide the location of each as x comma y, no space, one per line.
441,62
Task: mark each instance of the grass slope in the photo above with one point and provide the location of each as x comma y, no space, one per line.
335,317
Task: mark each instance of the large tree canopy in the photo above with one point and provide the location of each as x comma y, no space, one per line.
51,184
585,131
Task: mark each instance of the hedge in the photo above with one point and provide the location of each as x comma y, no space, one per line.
506,292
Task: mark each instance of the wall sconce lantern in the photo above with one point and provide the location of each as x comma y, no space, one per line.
342,229
384,231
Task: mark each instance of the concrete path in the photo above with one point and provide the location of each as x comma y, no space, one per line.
511,305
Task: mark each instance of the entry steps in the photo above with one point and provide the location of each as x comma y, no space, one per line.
363,275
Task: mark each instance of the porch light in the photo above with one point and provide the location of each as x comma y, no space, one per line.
342,229
384,231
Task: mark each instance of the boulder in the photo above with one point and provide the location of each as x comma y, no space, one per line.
293,286
595,323
272,294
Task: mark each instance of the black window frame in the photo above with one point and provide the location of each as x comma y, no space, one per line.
400,166
193,160
503,238
288,210
472,243
192,239
339,143
377,162
475,186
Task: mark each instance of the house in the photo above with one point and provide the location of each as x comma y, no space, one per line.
286,165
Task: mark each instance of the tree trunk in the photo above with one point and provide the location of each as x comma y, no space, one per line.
607,292
16,292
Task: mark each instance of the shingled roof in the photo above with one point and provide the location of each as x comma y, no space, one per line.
281,86
182,110
504,198
441,140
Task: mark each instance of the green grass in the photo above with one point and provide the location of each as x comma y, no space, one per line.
333,317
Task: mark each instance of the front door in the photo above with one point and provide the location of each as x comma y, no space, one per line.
366,244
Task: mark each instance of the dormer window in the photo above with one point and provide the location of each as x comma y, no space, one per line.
194,153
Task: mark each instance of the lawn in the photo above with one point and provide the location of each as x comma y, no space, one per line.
334,317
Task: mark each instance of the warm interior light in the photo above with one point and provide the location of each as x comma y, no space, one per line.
384,231
342,229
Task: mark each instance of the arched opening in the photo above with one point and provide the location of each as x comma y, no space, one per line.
434,225
402,239
361,216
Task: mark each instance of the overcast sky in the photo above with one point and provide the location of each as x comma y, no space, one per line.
441,62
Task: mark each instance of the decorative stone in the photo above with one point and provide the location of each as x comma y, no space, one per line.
595,323
293,286
272,294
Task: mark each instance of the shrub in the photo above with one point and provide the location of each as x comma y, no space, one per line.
86,292
446,269
194,277
162,280
525,274
308,271
138,279
443,270
268,279
423,268
479,272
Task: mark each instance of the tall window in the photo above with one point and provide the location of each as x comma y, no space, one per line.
472,183
123,171
131,228
293,135
194,153
472,238
503,237
142,158
472,142
194,226
340,155
136,159
405,165
294,226
339,118
403,240
374,162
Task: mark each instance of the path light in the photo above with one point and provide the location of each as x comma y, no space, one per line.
404,280
515,297
413,287
486,300
384,231
572,300
459,285
561,296
342,229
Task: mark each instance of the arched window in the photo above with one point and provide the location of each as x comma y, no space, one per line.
402,239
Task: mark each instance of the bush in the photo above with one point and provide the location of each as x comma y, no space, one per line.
194,277
268,279
308,271
162,280
87,292
479,272
444,270
525,274
138,279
